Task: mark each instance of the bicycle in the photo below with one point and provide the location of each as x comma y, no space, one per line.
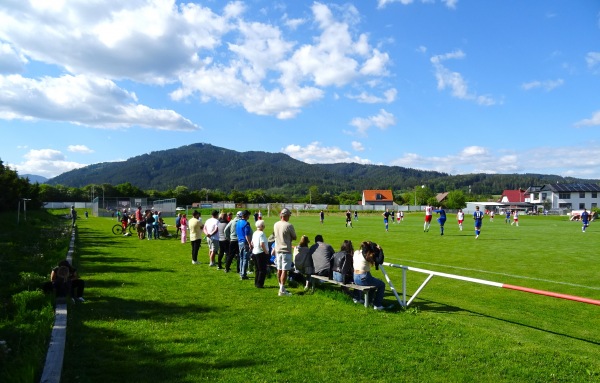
119,230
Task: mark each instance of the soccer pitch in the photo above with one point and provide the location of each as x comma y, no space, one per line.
153,316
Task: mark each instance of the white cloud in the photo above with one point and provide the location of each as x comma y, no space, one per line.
357,146
593,60
566,161
45,162
593,121
82,100
79,149
389,96
455,81
448,3
315,152
10,60
383,120
547,85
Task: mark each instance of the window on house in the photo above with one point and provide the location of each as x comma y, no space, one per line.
594,205
544,195
581,194
594,195
378,196
564,195
582,206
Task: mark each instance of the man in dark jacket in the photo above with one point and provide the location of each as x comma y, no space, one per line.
322,256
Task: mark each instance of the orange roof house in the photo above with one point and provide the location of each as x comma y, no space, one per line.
377,197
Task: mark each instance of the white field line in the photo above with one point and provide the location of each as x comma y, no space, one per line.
496,273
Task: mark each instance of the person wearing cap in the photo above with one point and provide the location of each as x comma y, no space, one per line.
234,248
244,234
211,229
195,235
284,235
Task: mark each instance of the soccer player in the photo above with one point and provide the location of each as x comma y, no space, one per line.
478,217
428,216
442,219
515,218
460,217
386,218
585,220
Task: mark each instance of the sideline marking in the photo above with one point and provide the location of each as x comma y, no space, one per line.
504,274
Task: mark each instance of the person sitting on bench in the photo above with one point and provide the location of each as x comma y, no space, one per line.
370,254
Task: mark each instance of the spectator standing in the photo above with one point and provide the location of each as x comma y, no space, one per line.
260,250
234,249
211,229
244,234
177,224
155,224
149,224
184,227
73,215
223,242
284,235
195,236
322,256
478,217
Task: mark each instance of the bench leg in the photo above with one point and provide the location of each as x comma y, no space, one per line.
367,297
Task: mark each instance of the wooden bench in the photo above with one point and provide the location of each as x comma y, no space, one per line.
365,289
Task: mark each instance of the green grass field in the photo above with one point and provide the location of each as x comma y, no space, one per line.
152,316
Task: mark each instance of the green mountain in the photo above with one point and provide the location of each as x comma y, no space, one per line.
201,165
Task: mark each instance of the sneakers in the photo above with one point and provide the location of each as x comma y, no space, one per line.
212,264
284,293
361,301
195,262
80,299
379,308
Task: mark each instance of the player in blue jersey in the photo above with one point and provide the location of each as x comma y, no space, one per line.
585,220
442,219
478,217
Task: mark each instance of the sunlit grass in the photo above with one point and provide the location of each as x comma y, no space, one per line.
152,316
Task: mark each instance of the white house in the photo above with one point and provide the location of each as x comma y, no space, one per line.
567,196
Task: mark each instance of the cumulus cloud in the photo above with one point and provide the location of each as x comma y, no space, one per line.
382,120
45,162
268,75
547,85
315,152
357,146
566,161
11,61
387,97
79,149
454,81
593,121
82,100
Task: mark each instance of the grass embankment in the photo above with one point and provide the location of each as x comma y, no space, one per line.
28,252
152,316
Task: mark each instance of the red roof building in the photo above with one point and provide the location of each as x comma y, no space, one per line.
518,195
378,197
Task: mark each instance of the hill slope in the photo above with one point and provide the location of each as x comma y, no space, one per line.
202,165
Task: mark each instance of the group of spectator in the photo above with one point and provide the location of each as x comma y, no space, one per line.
231,237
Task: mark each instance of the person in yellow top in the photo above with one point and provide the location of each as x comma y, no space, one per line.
195,235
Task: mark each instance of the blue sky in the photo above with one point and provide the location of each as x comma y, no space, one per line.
459,86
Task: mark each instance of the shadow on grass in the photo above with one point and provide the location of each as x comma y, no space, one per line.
426,305
107,354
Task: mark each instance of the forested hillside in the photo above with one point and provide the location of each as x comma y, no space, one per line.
199,166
